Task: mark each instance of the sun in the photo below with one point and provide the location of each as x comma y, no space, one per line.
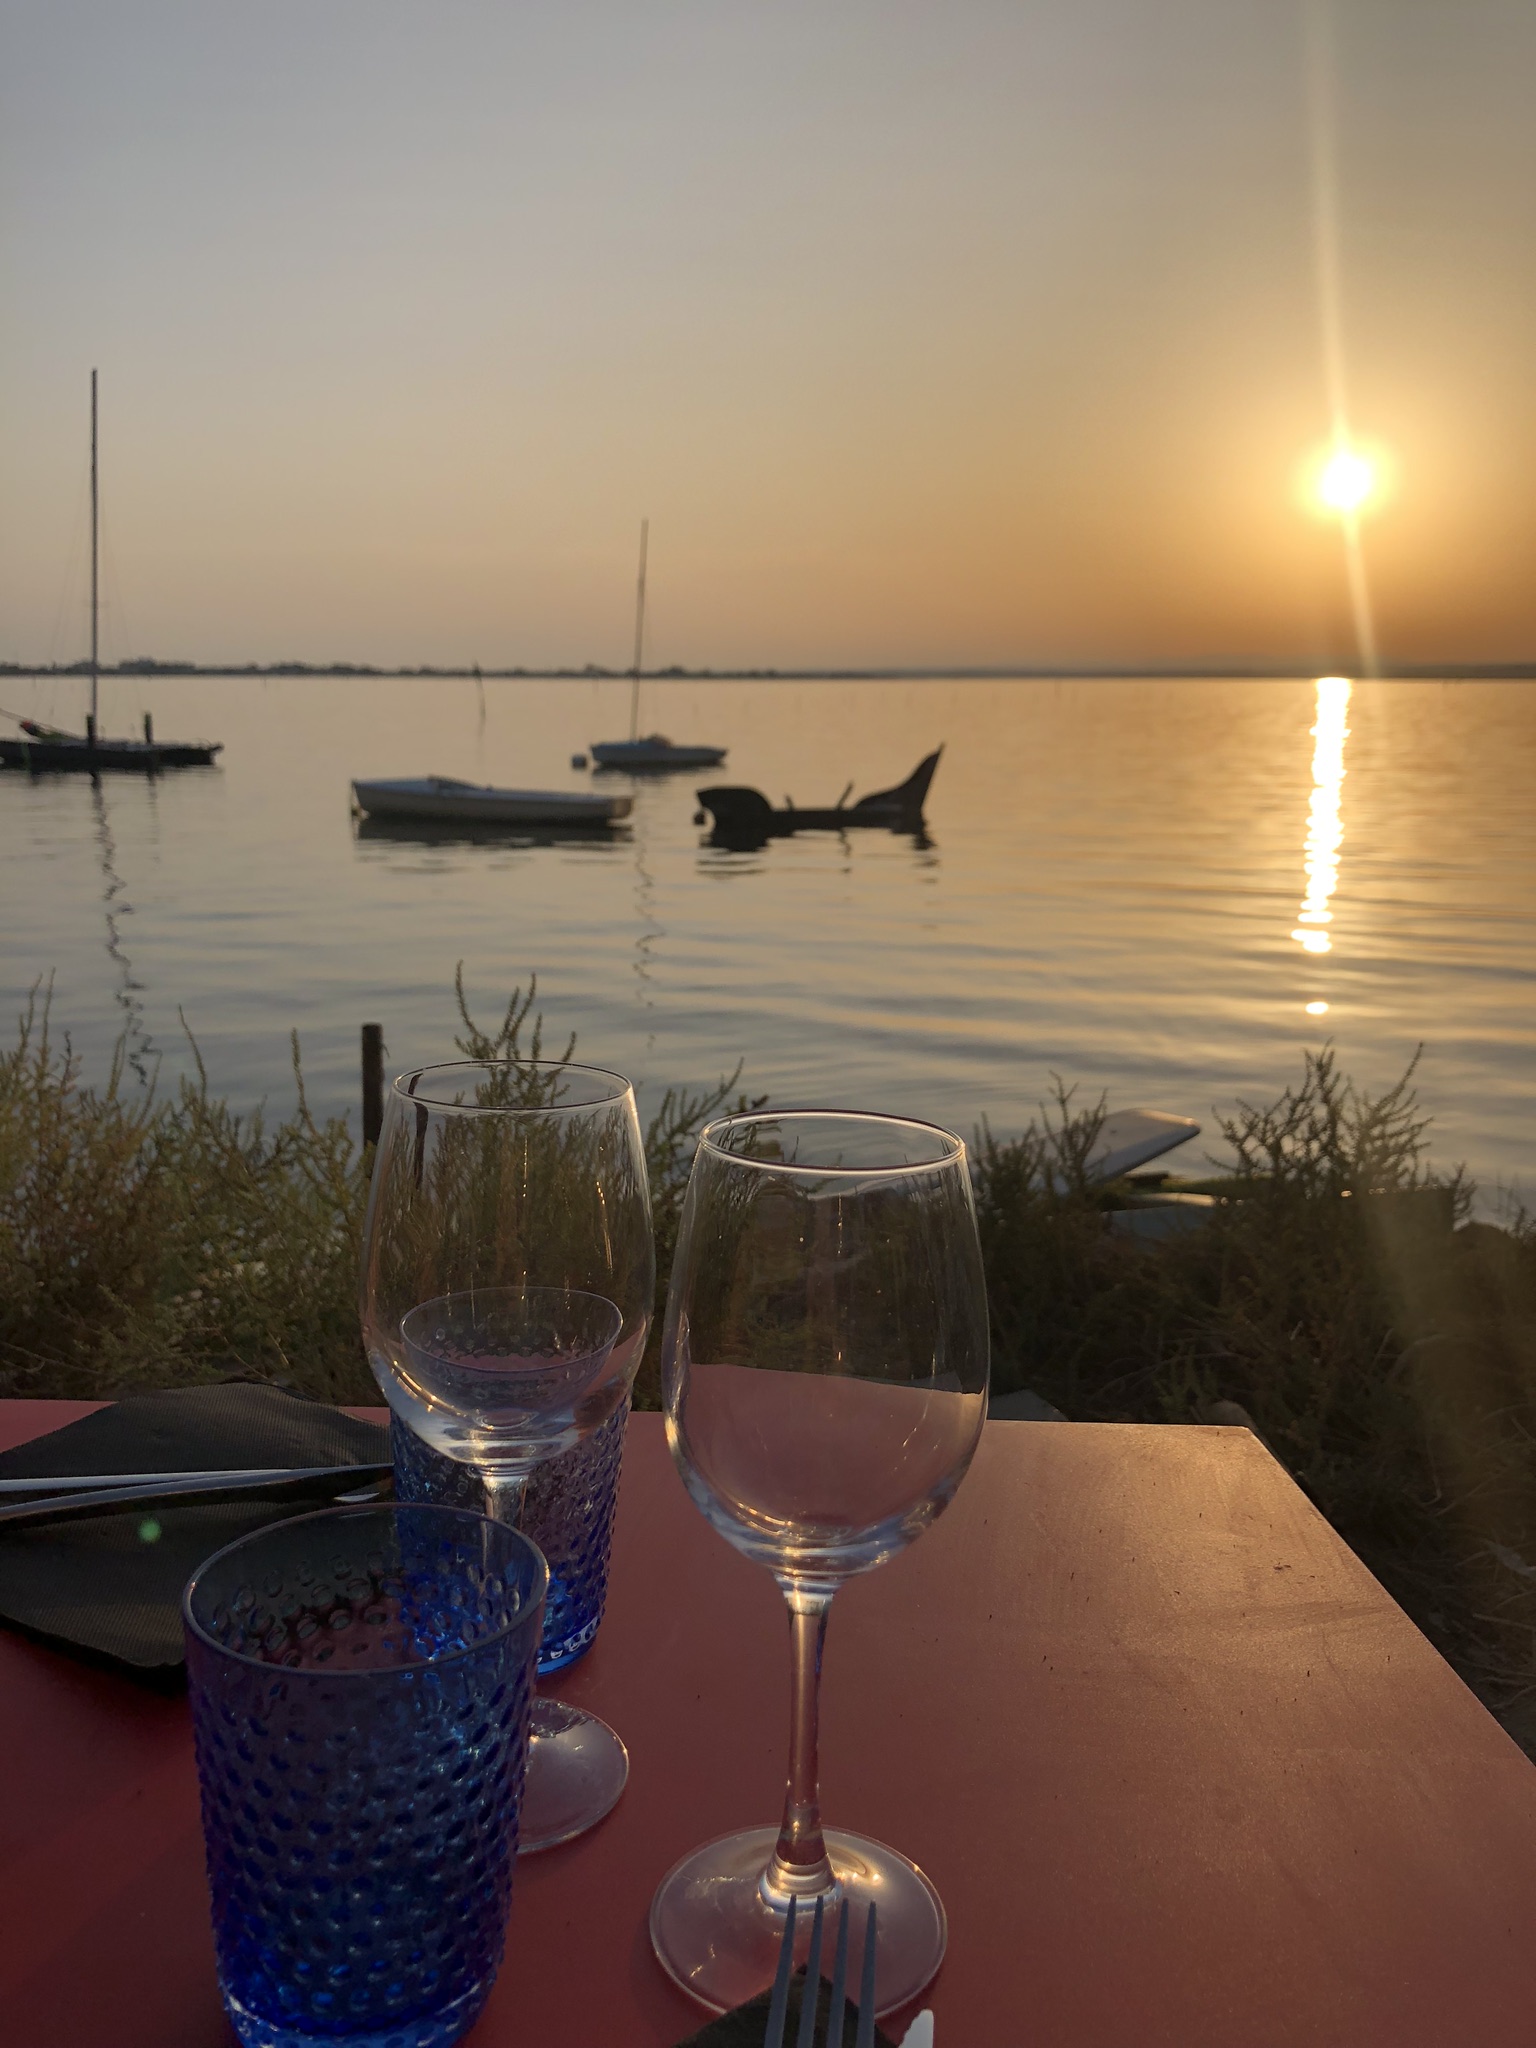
1345,480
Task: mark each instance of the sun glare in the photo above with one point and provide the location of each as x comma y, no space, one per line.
1346,481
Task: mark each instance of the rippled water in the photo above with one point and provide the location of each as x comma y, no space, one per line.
1127,883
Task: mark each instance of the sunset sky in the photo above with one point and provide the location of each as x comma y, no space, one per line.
981,332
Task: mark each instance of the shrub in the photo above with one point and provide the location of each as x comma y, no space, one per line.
162,1242
157,1242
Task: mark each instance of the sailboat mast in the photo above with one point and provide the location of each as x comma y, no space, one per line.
634,674
95,557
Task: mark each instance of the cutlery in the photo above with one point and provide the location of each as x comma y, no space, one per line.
810,1997
76,1481
778,2007
197,1489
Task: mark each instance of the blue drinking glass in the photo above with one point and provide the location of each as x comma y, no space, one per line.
360,1683
567,1510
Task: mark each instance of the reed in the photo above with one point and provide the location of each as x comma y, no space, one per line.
1381,1341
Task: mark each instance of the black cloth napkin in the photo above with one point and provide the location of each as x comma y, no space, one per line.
744,2027
111,1587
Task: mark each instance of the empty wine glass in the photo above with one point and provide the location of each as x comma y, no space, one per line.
825,1371
508,1279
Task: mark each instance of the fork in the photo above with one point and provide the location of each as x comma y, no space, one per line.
778,2008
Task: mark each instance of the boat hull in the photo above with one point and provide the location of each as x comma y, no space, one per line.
81,757
437,801
470,832
654,756
744,818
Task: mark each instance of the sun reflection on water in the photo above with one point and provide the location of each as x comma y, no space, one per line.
1325,820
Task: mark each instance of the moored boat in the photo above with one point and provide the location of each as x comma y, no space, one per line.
44,750
655,752
745,818
443,799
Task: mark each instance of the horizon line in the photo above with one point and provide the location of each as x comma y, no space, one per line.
145,667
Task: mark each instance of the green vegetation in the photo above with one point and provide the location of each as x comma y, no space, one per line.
150,1241
1383,1344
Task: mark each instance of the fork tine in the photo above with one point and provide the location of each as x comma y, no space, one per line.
810,1995
838,2005
865,2037
778,2005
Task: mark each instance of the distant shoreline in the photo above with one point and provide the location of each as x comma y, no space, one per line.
149,670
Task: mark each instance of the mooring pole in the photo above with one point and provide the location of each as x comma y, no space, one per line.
373,1082
91,728
634,674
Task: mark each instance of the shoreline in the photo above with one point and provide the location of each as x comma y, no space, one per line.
155,671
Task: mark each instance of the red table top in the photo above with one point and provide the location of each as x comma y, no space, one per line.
1183,1774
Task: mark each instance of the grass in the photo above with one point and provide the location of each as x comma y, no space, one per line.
151,1240
1383,1343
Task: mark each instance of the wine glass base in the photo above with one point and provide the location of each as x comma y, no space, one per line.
577,1767
716,1932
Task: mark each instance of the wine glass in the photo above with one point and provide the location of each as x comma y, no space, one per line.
507,1286
825,1374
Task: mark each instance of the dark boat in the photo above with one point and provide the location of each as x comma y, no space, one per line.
655,754
44,750
745,818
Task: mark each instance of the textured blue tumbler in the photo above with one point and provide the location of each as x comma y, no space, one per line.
567,1510
360,1682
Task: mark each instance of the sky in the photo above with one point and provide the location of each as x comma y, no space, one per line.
980,333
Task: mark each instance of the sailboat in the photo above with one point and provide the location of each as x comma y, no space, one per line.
45,749
655,750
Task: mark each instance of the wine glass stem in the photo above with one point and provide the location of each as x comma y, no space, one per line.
800,1866
504,1496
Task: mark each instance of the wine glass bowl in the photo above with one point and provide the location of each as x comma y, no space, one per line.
825,1371
507,1174
503,1377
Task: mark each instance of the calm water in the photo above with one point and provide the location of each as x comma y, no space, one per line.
1116,876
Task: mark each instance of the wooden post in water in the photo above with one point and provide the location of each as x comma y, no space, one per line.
634,677
90,723
373,1082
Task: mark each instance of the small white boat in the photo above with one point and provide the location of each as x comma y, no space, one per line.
446,801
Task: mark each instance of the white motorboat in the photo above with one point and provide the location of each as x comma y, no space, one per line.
442,800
